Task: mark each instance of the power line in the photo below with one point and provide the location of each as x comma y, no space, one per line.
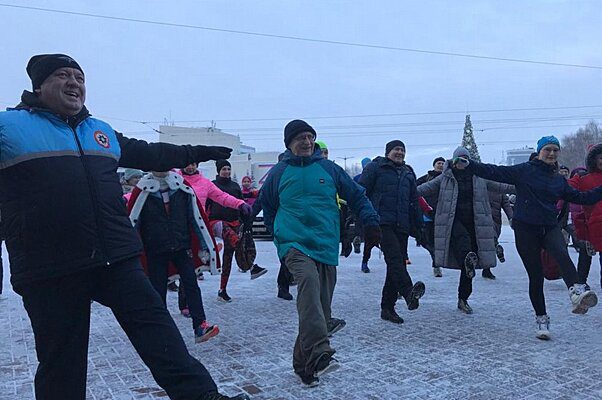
463,112
410,146
422,123
385,133
304,39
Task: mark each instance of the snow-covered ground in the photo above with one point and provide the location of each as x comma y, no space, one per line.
438,353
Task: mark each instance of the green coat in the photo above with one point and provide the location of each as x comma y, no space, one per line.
299,200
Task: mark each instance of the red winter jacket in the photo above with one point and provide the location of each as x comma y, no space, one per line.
593,214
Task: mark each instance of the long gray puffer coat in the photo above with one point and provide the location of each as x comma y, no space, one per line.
445,187
498,202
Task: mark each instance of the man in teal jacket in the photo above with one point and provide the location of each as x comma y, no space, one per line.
299,200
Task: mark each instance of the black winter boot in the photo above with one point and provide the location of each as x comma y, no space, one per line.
391,315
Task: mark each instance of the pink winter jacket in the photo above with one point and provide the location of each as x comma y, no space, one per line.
205,189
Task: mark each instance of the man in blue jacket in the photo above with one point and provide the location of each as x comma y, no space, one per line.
391,186
299,200
70,240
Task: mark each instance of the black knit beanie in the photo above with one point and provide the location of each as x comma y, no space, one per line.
392,144
294,128
42,66
436,160
219,164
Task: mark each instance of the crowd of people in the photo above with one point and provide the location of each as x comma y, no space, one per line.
76,233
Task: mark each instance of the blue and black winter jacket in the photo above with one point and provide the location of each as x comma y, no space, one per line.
61,201
539,186
392,191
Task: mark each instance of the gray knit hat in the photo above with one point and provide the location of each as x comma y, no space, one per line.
461,152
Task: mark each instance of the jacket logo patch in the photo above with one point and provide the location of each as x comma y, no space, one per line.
322,180
102,139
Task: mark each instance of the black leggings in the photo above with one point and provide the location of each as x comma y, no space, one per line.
530,240
463,241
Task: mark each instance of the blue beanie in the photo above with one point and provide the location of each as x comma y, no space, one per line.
365,161
547,140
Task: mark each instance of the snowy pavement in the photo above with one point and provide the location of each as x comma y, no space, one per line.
438,353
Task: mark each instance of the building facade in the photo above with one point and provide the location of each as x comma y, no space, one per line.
245,160
518,156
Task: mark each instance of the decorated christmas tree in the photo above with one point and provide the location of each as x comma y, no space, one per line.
468,140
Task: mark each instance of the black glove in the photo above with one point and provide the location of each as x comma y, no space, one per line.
245,210
206,153
372,236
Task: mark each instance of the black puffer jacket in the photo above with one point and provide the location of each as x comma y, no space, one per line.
162,233
219,212
464,205
60,197
392,191
429,176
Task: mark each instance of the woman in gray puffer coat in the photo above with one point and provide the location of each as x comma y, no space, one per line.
464,229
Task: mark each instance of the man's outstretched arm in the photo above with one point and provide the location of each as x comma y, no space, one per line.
165,156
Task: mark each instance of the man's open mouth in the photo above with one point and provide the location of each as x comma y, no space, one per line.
71,93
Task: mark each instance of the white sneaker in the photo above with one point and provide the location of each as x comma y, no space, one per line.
582,298
543,327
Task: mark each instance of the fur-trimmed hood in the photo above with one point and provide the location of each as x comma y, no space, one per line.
590,160
149,183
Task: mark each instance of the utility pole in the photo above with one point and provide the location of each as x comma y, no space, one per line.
345,159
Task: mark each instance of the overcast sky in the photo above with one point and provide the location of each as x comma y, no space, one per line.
147,72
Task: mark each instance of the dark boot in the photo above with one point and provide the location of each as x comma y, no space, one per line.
470,263
464,307
391,315
487,274
284,294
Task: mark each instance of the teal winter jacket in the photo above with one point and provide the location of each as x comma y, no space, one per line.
299,200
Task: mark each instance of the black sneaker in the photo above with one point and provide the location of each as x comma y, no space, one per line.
464,307
308,380
499,252
470,263
334,325
172,286
391,315
357,243
257,271
487,274
217,396
326,363
346,248
223,296
284,294
415,294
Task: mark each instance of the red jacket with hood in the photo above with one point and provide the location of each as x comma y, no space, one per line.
592,231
